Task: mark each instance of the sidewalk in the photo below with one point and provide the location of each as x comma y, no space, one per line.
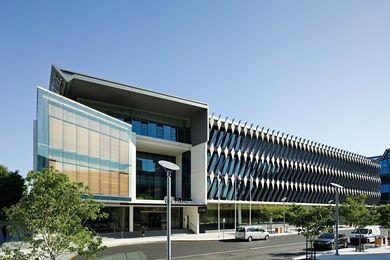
371,252
210,236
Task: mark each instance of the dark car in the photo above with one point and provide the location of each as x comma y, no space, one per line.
327,241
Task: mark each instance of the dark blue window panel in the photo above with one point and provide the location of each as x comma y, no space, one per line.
136,126
226,139
213,138
144,128
233,139
173,134
220,161
114,198
213,162
238,144
159,131
231,168
220,137
226,165
208,184
152,130
167,132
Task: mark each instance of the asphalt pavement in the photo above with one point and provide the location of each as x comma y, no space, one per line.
277,247
283,247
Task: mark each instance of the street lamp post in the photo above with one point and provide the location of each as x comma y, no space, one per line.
235,203
219,198
168,167
250,201
284,214
338,187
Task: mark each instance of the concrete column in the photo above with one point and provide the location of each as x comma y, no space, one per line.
131,219
239,214
199,173
132,170
178,177
193,214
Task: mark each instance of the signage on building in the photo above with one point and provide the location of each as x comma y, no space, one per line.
202,209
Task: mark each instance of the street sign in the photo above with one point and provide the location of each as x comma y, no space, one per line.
202,209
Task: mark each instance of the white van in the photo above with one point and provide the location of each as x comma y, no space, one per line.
251,232
367,234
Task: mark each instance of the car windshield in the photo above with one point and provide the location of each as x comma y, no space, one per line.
327,235
360,231
240,229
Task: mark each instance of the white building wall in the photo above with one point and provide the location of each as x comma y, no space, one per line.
199,173
133,164
193,214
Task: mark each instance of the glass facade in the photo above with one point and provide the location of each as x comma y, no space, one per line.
146,123
88,146
155,218
151,178
209,219
117,221
385,177
186,175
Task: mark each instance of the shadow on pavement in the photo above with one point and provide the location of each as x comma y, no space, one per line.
286,255
232,240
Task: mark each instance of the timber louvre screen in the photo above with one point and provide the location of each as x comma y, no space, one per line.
281,166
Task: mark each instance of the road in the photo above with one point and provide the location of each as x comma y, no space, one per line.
283,247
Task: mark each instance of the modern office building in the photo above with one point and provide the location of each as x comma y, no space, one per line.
384,161
111,136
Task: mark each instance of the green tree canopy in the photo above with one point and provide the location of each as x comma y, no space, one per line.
271,212
11,187
384,215
51,214
311,220
356,212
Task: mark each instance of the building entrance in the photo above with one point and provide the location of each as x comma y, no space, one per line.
154,218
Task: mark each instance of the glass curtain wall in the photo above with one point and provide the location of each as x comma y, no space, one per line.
155,218
146,123
85,144
385,178
209,220
151,178
186,176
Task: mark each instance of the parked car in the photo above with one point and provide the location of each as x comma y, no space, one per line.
327,241
367,234
251,232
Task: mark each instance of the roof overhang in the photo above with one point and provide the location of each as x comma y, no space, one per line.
79,86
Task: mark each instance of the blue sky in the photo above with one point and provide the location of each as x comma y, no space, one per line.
316,69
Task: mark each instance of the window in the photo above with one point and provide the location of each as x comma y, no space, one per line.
87,146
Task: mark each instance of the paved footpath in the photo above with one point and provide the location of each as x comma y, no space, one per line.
371,252
210,236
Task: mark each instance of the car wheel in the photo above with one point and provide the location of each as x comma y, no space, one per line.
266,237
250,239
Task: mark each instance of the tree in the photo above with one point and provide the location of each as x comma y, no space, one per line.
355,211
357,214
384,216
11,187
51,215
271,212
311,220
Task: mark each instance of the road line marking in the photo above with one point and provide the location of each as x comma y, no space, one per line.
231,251
262,247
